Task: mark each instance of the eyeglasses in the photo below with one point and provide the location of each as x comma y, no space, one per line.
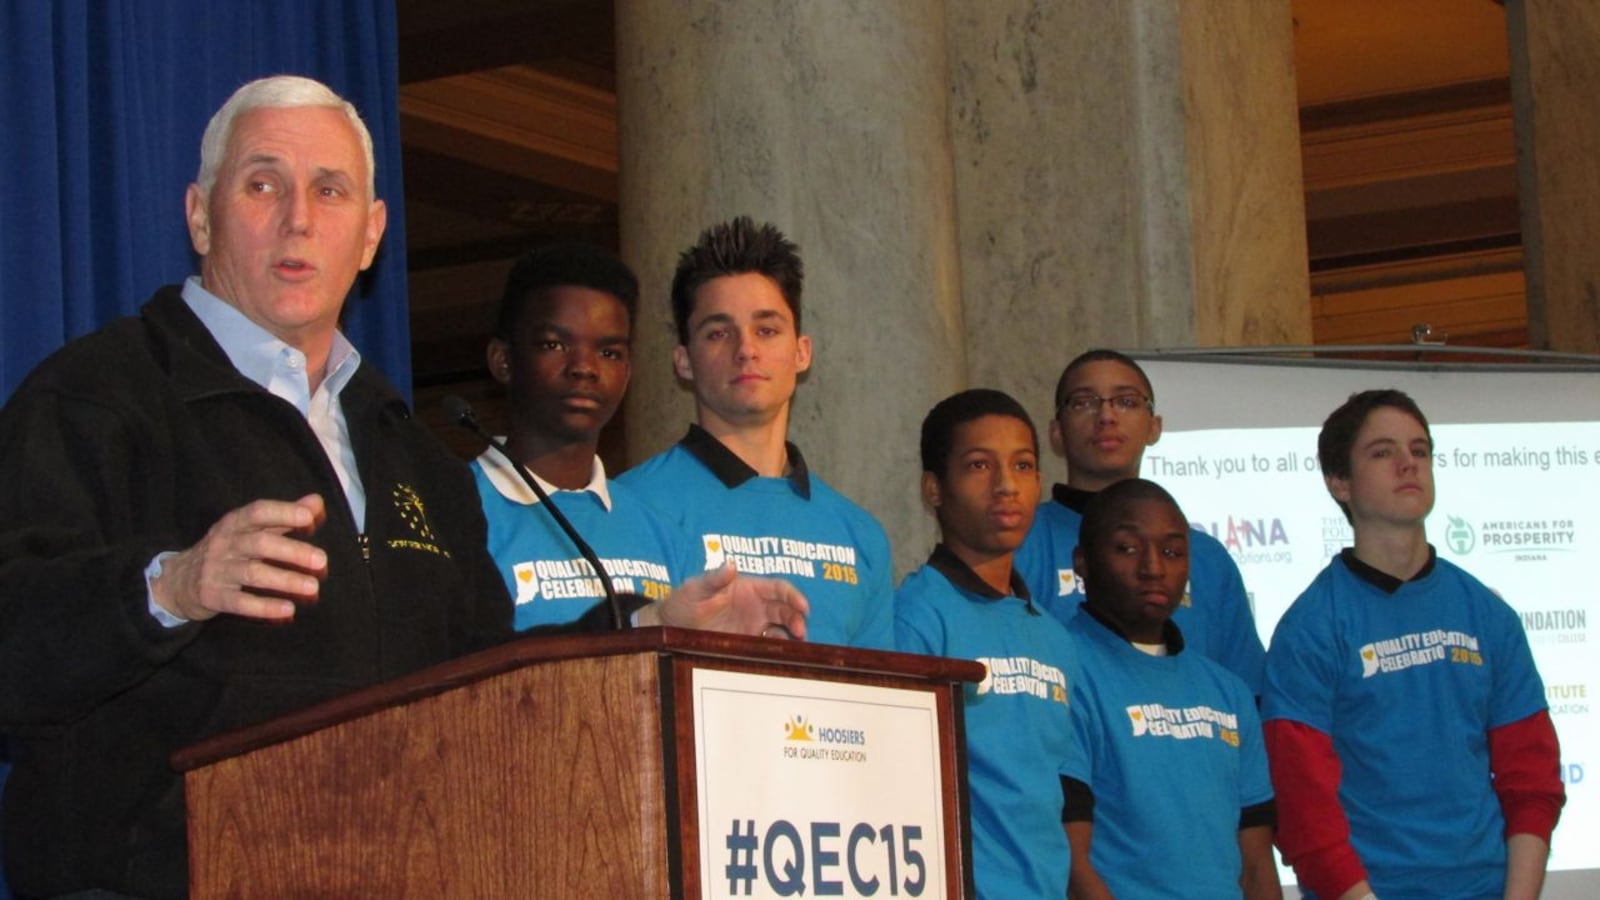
1090,404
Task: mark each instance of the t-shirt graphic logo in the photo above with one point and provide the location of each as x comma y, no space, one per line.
1369,661
1066,582
714,555
1137,719
527,582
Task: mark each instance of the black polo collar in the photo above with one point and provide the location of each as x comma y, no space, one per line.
733,471
1171,635
944,561
1072,498
1383,581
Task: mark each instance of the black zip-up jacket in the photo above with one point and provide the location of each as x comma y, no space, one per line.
135,440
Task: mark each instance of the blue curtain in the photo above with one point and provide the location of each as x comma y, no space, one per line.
102,103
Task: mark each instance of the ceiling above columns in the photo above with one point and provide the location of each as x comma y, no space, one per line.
508,120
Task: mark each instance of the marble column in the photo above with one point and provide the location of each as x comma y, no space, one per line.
1127,175
980,188
828,119
1554,68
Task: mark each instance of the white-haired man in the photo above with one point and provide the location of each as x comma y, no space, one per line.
214,513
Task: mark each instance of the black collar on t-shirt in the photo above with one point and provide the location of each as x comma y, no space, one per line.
1171,635
1072,498
1383,581
944,561
733,471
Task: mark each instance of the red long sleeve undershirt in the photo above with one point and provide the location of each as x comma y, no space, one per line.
1526,762
1314,834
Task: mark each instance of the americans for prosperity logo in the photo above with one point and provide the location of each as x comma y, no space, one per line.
1529,539
1459,536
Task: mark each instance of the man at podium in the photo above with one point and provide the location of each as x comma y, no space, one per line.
214,513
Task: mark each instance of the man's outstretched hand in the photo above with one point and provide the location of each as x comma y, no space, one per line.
724,600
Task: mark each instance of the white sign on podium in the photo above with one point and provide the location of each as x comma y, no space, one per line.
817,788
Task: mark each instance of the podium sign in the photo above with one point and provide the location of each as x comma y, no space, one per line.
817,788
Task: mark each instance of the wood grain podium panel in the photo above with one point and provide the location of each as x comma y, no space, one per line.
461,794
545,768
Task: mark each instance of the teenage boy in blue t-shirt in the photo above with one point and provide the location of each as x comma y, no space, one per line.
561,349
734,482
980,476
1171,797
1105,418
1410,744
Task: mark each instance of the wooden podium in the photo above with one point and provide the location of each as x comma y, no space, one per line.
564,767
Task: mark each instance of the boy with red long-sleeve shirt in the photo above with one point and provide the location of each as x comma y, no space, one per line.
1411,748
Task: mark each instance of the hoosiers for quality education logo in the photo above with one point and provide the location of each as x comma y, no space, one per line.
826,742
798,729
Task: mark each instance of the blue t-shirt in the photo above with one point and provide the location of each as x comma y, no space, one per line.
796,528
549,580
1018,721
1407,678
1172,750
1214,616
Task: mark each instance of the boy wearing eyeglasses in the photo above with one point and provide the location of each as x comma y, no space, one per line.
1105,418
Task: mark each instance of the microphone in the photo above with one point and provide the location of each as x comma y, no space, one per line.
460,412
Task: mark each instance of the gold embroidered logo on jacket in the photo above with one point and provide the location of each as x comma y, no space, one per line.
408,503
